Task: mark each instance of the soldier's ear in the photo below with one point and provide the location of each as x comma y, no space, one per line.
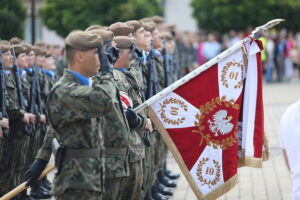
79,57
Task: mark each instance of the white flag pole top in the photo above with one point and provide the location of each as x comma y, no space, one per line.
258,30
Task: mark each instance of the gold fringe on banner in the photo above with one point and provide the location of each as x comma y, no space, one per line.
173,149
256,162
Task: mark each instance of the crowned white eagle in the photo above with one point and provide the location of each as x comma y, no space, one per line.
221,123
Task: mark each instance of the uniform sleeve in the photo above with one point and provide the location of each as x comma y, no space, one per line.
46,150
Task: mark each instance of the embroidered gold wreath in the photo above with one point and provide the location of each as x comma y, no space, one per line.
163,111
204,181
224,73
205,109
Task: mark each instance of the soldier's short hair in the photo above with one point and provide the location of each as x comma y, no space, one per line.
70,52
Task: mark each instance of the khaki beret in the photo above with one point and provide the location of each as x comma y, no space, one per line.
105,35
83,40
5,42
147,19
17,49
121,29
158,19
96,26
15,40
39,51
123,42
28,47
39,43
149,26
136,24
4,48
166,35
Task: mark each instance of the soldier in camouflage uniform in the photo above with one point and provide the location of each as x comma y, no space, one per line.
130,98
6,149
74,107
116,141
20,136
138,69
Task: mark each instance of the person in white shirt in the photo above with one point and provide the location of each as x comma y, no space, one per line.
289,132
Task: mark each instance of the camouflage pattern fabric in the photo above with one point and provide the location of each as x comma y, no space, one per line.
136,148
135,181
75,194
73,112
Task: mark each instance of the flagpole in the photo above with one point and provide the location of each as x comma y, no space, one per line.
254,34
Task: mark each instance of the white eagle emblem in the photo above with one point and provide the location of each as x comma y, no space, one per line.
220,125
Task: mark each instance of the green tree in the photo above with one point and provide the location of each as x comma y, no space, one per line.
64,16
223,15
12,17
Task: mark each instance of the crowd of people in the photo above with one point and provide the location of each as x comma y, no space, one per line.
281,54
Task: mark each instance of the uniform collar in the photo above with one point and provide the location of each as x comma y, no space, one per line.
83,80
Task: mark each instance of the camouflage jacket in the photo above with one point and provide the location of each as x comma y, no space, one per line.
116,139
73,111
136,148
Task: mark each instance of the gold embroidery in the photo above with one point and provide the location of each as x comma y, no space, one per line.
174,110
206,109
232,75
209,171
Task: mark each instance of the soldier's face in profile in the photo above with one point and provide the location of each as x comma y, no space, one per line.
40,61
140,38
30,58
91,62
22,60
156,39
7,59
147,44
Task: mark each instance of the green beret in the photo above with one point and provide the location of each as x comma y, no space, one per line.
28,47
5,47
123,42
158,19
17,49
105,35
15,40
96,26
121,29
149,26
83,40
136,24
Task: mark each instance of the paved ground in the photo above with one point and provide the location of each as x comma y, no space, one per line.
273,180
